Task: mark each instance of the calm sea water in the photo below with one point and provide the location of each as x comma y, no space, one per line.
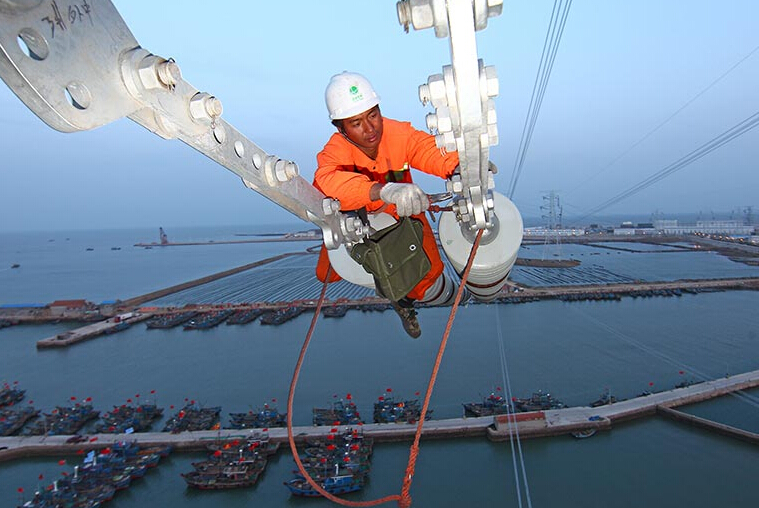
576,350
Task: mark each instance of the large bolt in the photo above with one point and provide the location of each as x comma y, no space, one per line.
444,121
495,7
330,206
491,81
205,107
431,119
437,91
404,14
169,73
419,12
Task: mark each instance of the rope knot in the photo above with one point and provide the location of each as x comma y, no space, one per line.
404,501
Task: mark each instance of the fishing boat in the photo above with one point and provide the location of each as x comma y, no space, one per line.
171,320
340,413
334,311
207,320
605,399
386,410
11,421
231,477
538,401
335,485
242,317
260,419
277,317
192,417
9,395
15,265
491,405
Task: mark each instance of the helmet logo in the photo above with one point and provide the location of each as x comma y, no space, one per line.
355,94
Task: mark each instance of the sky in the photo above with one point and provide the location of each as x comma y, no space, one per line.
622,69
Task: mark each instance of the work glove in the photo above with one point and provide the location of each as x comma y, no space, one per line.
408,198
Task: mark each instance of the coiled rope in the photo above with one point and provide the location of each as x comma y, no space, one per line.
404,498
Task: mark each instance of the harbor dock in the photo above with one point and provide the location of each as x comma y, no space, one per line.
575,419
92,330
528,425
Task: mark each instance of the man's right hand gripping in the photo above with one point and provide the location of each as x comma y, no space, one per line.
408,198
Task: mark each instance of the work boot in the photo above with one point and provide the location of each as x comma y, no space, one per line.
408,318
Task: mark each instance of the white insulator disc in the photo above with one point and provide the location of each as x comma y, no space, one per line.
497,251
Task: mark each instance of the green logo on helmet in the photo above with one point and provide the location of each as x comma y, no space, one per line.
354,90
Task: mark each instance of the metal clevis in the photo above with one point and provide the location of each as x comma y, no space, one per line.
465,116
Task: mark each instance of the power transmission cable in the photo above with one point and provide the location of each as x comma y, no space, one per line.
666,120
513,427
741,395
551,44
716,142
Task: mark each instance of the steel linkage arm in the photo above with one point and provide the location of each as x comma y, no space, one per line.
465,117
77,66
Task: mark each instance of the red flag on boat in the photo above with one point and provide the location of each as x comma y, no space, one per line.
217,453
152,391
129,400
20,490
323,460
73,398
354,447
389,390
331,437
348,396
80,452
330,447
92,440
88,399
41,476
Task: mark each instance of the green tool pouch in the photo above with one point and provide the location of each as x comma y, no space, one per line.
395,257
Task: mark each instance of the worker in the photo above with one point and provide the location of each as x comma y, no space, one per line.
366,164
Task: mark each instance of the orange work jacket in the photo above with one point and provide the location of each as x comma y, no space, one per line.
346,173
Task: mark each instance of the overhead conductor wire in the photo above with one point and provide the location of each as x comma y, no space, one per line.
716,142
550,48
745,397
513,427
667,120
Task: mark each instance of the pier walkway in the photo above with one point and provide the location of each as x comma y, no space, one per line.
529,425
91,331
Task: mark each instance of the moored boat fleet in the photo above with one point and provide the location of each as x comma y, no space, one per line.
96,481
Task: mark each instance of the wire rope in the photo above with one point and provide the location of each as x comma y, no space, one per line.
556,25
666,120
512,423
716,142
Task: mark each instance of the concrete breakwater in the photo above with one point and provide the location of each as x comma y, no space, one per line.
528,425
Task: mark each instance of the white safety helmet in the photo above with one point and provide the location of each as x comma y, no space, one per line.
349,94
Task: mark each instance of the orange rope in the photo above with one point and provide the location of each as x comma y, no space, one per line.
404,499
